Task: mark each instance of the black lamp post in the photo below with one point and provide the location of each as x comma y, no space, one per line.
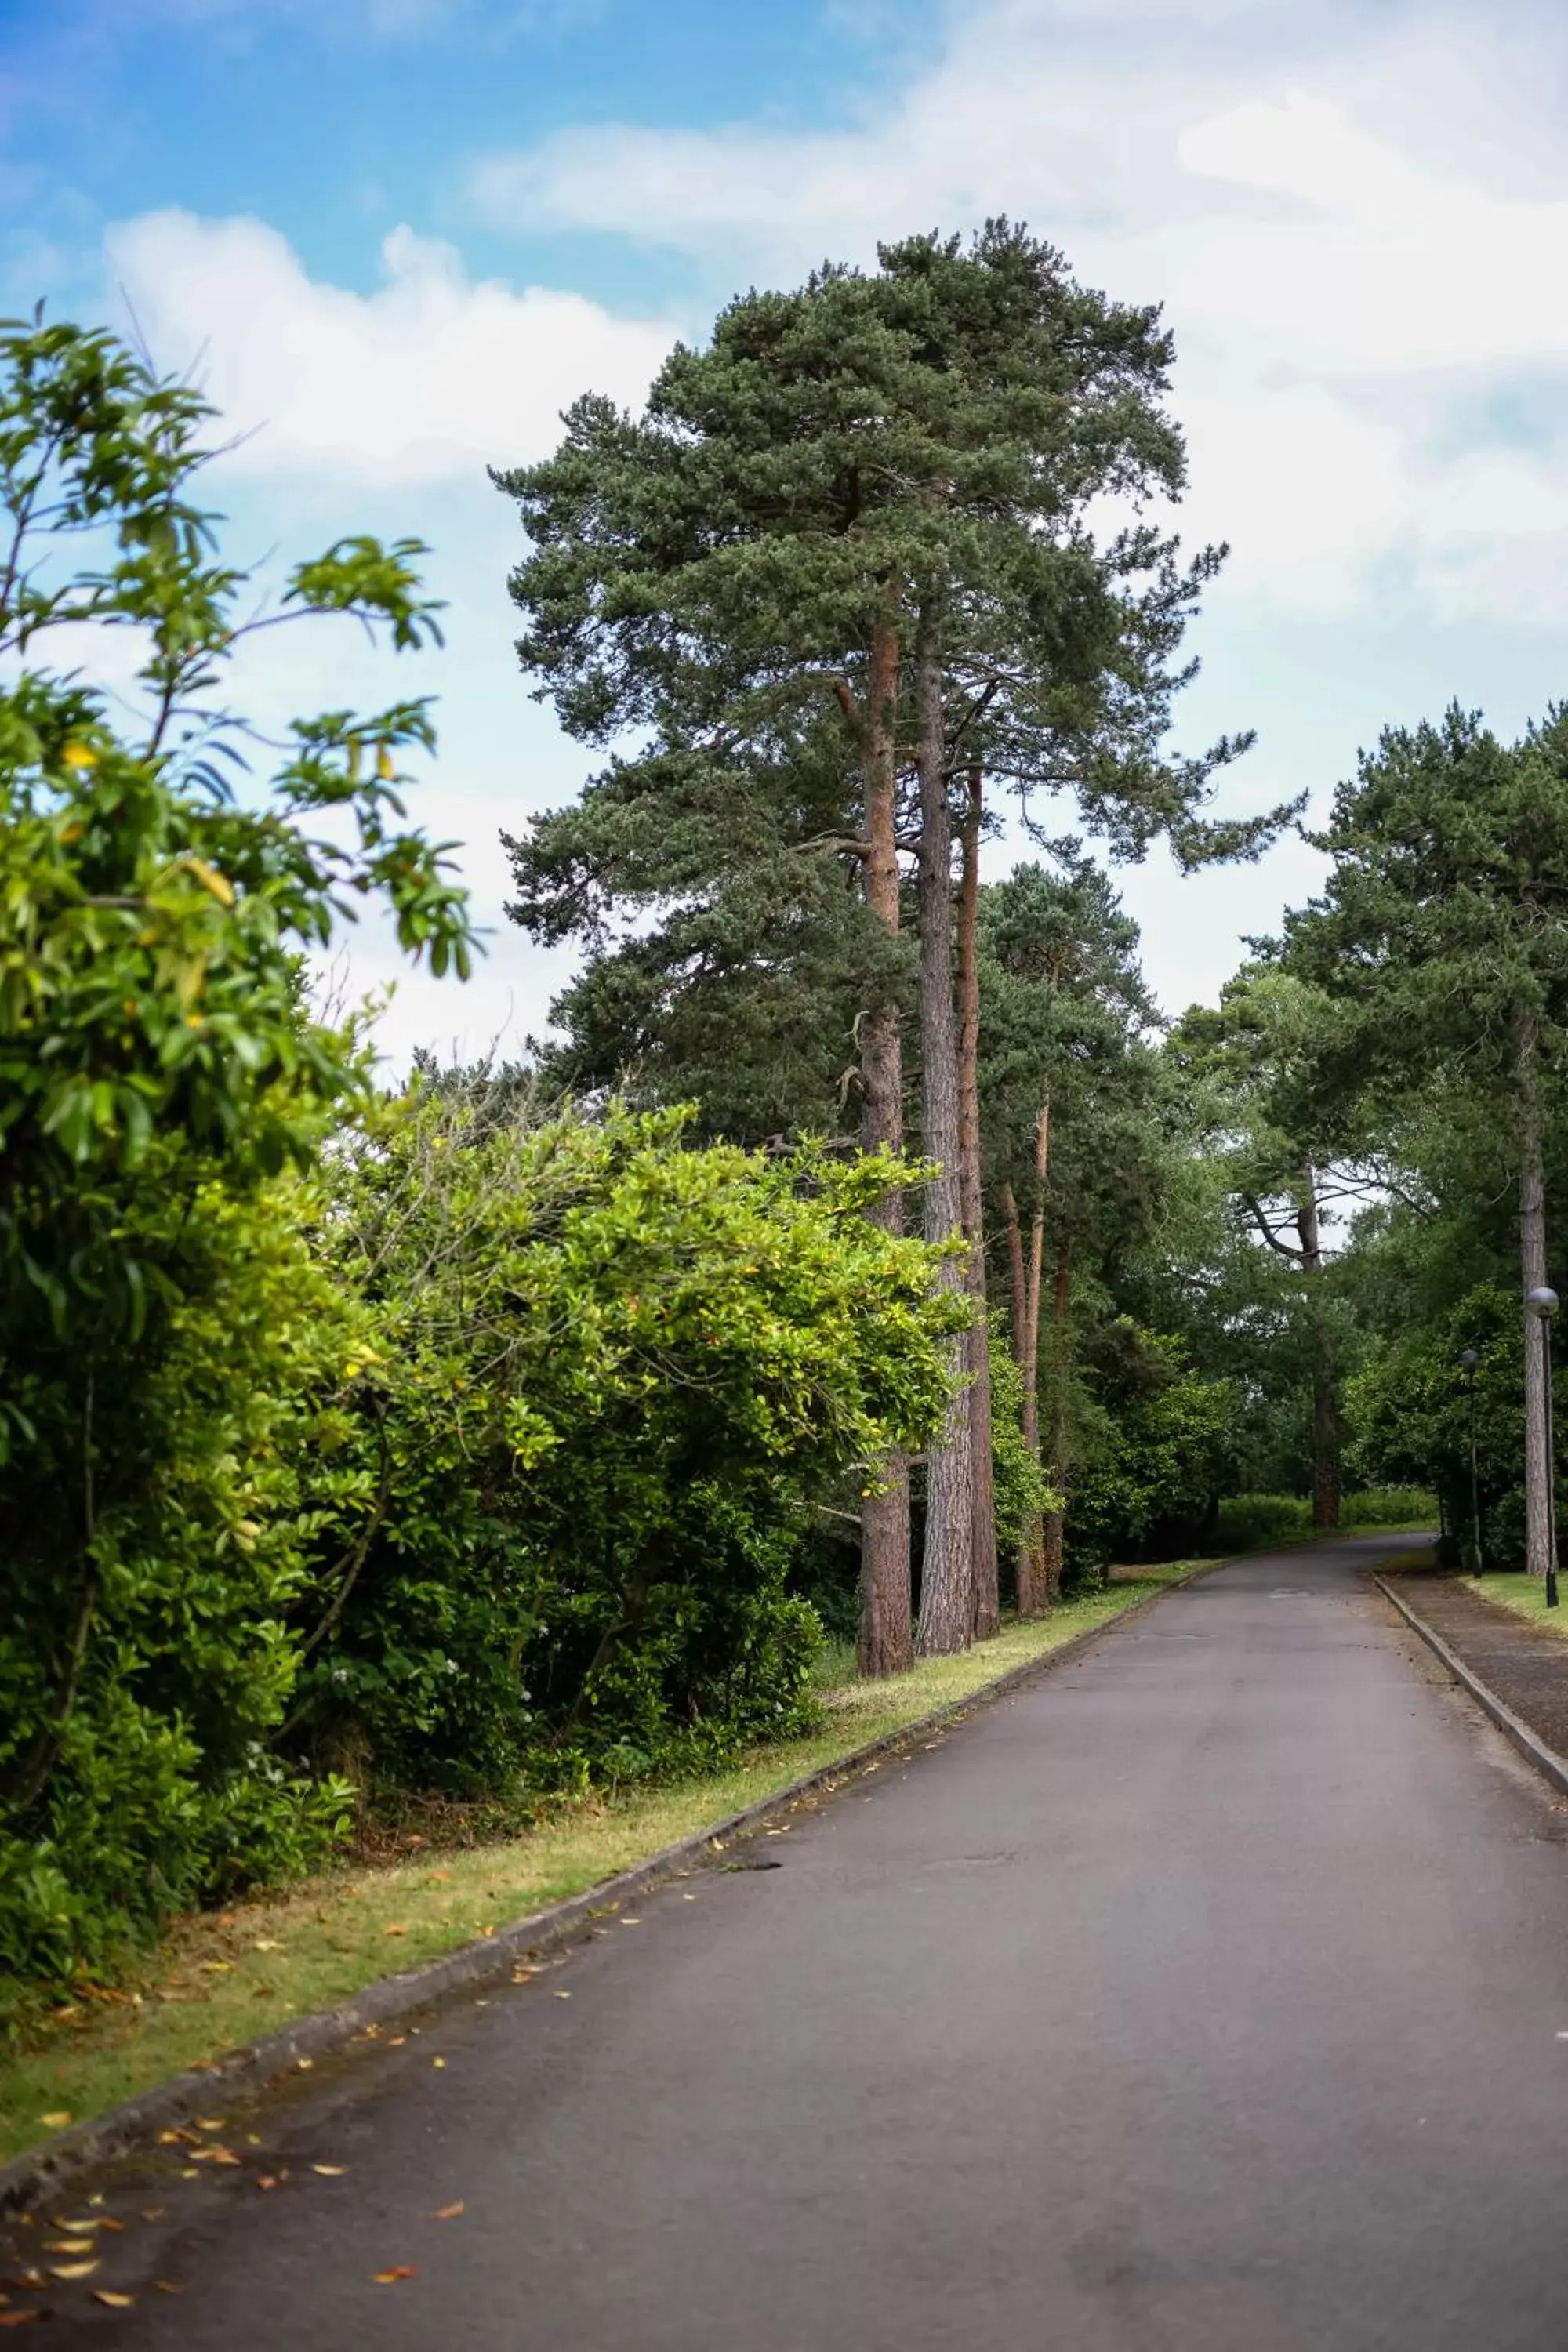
1542,1304
1470,1360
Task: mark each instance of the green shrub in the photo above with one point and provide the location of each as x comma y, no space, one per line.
167,1348
1254,1522
618,1375
1389,1506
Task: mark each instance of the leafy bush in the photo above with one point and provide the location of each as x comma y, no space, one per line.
1160,1450
165,1343
1255,1522
615,1376
1410,1408
1389,1506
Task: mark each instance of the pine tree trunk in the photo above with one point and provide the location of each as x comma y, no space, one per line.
885,1645
1532,1273
1030,1566
947,1580
1056,1458
988,1597
1325,1398
1018,1286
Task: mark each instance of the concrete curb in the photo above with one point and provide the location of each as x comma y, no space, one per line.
1534,1749
254,2065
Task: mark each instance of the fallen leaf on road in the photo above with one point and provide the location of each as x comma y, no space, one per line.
266,2180
330,2171
437,2062
67,2245
448,2212
631,1922
167,2286
209,2123
304,2064
151,2212
214,2154
71,2269
397,2041
115,2301
399,2270
17,2318
563,1996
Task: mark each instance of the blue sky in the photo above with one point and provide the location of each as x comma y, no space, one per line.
395,237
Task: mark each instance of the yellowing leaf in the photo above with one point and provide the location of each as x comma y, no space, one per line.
448,2212
115,2301
58,2120
398,2271
222,888
72,2270
330,2171
79,756
385,768
437,2062
67,2246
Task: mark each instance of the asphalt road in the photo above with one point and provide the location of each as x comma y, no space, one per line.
1211,1993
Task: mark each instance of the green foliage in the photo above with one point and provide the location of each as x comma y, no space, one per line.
1412,1411
1022,1491
165,1342
1159,1455
617,1375
917,445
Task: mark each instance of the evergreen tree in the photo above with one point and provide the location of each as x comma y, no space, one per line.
1440,933
864,502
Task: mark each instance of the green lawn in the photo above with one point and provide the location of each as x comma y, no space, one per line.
220,1978
1526,1596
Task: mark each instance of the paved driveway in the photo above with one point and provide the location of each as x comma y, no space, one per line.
1210,1995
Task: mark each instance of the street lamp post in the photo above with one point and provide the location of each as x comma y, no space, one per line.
1542,1304
1470,1360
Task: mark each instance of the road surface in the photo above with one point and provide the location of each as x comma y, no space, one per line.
1210,1995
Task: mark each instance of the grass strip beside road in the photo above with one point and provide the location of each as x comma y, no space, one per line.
221,1978
1525,1596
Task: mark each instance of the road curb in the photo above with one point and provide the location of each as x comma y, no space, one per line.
255,2064
1545,1759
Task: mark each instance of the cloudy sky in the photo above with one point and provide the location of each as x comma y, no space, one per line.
392,237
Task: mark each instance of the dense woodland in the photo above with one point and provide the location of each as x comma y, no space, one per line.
861,1256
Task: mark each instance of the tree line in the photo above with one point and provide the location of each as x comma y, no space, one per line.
862,1255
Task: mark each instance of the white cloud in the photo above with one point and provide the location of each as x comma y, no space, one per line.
1355,226
427,379
380,412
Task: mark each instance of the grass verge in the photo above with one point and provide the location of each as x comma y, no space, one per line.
221,1978
1524,1595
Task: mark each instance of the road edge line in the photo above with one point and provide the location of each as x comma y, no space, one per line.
1530,1745
251,2066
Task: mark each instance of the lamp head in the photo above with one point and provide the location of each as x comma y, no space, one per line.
1541,1302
